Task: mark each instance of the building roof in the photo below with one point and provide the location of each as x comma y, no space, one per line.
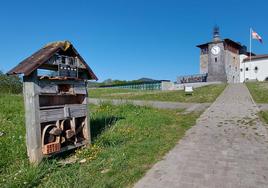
28,65
256,57
238,45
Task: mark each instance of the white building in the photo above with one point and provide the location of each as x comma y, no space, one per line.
254,69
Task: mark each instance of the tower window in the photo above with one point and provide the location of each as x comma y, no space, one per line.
241,70
247,69
216,59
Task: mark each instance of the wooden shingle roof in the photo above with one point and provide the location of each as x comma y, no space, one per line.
28,65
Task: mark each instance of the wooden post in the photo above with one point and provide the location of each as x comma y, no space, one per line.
88,117
32,119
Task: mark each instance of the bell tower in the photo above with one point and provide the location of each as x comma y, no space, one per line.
219,59
216,58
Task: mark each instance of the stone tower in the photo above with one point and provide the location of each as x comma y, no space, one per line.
220,59
216,67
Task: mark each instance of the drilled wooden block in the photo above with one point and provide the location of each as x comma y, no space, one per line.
51,148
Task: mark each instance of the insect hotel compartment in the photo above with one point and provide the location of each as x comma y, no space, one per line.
63,115
62,135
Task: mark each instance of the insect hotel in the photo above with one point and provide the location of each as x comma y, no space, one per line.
55,99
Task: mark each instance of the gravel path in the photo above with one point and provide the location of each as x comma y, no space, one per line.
189,107
228,147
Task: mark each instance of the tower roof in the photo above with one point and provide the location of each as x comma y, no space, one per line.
216,33
226,40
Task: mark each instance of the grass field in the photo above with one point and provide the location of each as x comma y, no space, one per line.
200,95
127,141
264,116
259,92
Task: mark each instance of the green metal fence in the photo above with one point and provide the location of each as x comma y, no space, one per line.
140,86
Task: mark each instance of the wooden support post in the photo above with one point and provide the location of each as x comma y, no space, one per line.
32,119
87,117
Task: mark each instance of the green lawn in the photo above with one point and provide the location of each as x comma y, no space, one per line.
200,95
259,91
264,116
127,141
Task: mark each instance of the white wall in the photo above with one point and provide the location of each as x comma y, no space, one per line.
242,67
261,74
167,85
194,85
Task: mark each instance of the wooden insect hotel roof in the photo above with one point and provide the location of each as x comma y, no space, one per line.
39,58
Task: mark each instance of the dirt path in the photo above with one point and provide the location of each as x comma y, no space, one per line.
189,107
228,147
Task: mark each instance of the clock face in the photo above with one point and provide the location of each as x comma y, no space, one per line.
215,50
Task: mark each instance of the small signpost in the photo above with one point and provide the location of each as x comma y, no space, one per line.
188,90
55,99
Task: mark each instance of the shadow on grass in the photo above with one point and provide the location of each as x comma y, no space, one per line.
98,125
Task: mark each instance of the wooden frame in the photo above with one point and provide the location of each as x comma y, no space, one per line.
45,103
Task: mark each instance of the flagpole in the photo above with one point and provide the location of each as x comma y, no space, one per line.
250,33
250,51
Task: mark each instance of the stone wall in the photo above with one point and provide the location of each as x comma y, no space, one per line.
232,67
203,63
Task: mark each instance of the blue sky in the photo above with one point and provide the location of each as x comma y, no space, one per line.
129,39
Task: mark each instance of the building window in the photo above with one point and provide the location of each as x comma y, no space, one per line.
247,69
216,59
241,70
256,69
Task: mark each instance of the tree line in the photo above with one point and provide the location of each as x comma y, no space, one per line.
10,84
110,82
